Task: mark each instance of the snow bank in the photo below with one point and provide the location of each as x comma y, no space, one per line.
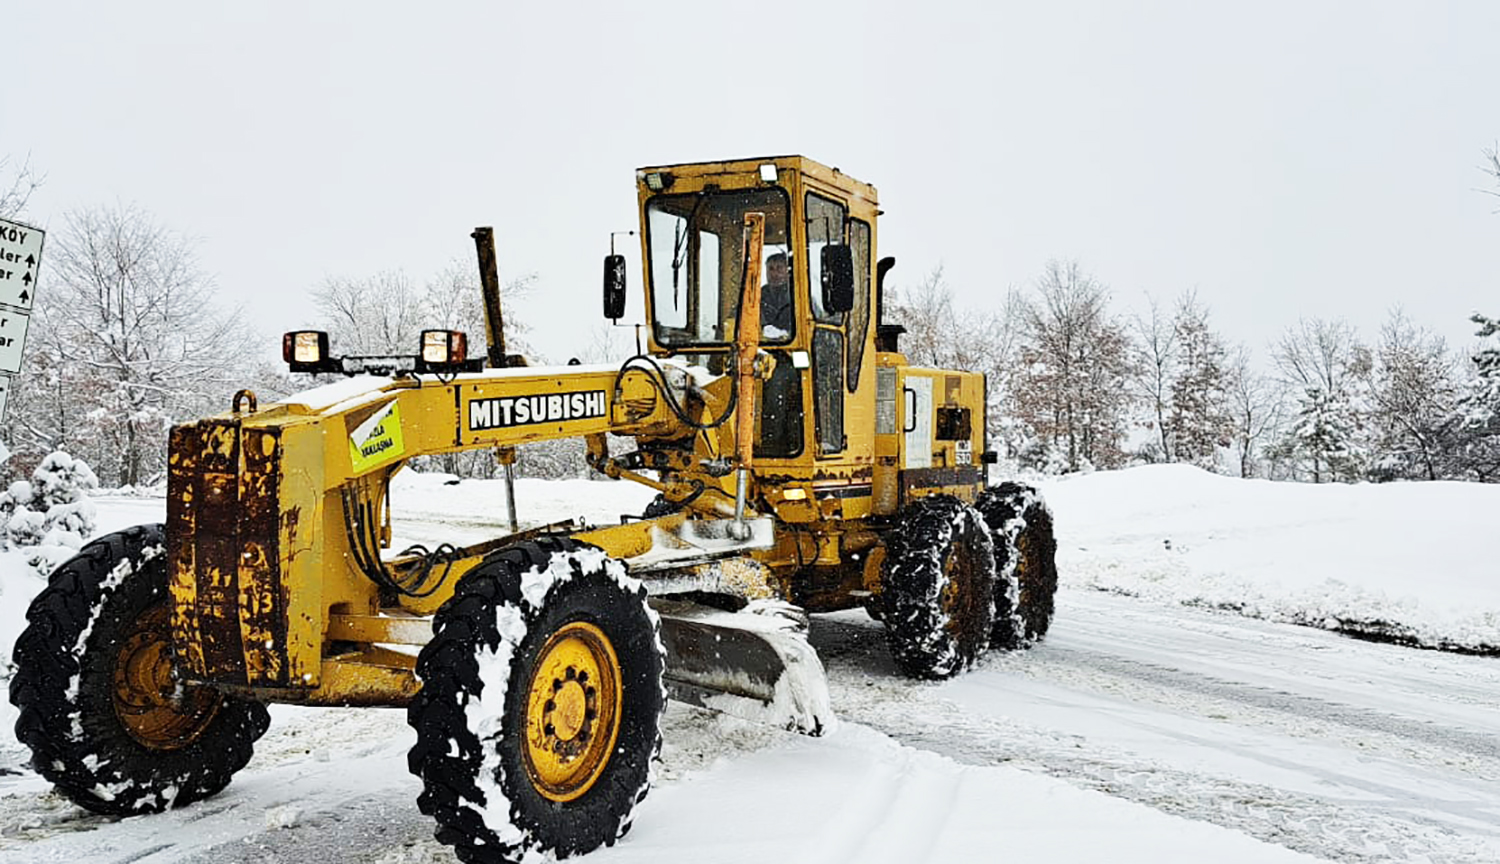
1410,561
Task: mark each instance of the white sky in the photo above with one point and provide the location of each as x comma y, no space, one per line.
1286,158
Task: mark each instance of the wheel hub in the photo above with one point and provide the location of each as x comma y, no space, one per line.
1023,557
156,709
957,598
572,711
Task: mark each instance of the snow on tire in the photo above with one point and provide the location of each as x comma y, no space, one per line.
100,707
540,709
936,587
1020,525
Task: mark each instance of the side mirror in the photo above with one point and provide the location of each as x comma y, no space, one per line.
614,287
837,271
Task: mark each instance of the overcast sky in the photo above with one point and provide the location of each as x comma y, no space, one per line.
1283,158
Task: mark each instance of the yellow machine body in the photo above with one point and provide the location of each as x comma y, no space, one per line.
276,516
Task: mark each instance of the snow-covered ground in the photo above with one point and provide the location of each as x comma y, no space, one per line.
1143,730
1411,561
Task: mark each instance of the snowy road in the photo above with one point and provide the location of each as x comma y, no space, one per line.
1338,748
1267,739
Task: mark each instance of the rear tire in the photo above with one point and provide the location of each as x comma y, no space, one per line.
106,719
540,708
1020,525
936,587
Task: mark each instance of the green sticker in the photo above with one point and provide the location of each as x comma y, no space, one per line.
377,440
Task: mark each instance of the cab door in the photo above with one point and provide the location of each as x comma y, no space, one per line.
825,225
917,446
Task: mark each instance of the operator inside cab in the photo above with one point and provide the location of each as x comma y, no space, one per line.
776,299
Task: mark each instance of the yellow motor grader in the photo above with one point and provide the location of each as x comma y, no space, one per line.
801,464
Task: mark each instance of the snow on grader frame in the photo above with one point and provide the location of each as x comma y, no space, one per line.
801,464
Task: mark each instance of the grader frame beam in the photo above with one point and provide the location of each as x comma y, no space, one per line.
262,546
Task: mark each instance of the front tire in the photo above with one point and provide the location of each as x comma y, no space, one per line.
936,587
541,702
1020,524
106,719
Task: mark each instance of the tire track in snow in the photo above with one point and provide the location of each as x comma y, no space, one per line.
1353,716
865,690
846,834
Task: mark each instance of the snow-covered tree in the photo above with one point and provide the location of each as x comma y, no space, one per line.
1326,369
1323,431
1413,397
1154,356
380,314
1474,445
52,510
1255,408
16,185
125,341
1200,421
384,314
1071,386
1491,166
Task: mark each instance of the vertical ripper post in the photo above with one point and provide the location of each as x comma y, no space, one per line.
747,346
489,286
494,326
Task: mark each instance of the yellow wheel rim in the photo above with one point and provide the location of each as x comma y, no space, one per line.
1023,559
156,709
956,600
572,711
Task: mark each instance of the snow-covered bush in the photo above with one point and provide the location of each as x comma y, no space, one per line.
51,512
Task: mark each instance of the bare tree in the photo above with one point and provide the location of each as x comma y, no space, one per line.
381,314
453,301
126,340
384,314
1491,166
1325,367
16,191
1414,394
1255,406
941,335
1155,361
1071,383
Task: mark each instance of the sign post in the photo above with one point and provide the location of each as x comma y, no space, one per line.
20,259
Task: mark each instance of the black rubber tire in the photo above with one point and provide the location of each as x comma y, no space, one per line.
76,736
449,755
936,587
1020,525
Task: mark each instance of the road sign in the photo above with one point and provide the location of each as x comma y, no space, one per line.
20,259
12,339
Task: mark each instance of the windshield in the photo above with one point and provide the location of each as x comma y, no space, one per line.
696,244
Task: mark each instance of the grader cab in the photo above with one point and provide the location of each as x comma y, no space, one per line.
801,466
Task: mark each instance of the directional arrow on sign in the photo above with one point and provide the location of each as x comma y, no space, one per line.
20,267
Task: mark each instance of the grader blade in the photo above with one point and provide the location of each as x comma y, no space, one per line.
757,667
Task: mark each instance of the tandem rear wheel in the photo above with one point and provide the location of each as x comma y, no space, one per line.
936,587
1020,525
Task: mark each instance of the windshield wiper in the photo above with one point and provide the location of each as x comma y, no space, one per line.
679,244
